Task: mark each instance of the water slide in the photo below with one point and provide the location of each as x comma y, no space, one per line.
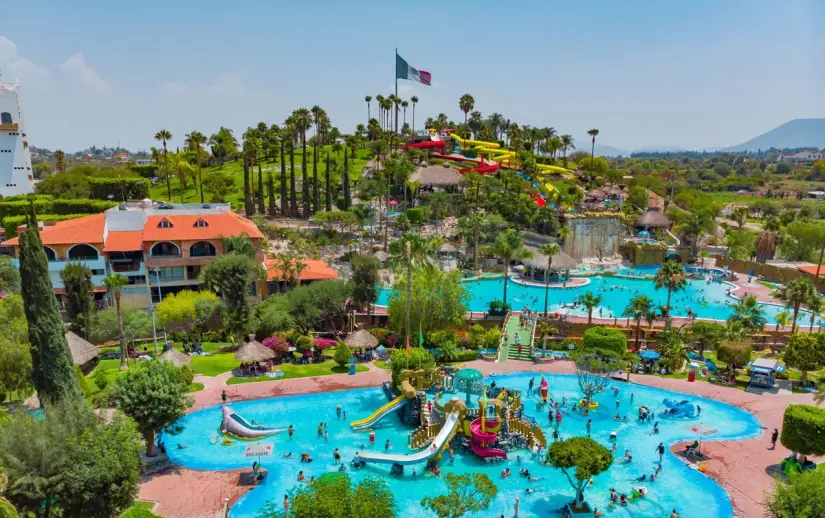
478,438
238,426
380,413
480,143
451,425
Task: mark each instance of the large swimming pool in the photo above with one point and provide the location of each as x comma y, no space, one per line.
706,300
691,492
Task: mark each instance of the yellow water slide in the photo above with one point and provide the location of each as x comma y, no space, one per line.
470,143
379,414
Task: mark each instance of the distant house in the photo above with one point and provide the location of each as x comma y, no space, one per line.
143,161
816,195
802,156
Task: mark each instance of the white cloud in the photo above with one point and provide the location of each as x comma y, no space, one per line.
76,69
174,88
13,67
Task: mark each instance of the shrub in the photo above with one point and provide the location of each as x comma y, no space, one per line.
101,380
498,308
188,375
463,356
417,358
103,399
146,171
415,215
342,354
118,188
803,429
606,339
83,382
735,354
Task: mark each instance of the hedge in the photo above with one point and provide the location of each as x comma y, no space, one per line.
803,429
416,215
606,339
146,171
461,356
118,188
54,207
11,223
25,197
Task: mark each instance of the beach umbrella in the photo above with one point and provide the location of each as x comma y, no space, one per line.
177,358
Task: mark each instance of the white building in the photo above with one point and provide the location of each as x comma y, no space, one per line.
802,156
15,160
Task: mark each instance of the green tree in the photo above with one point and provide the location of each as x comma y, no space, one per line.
333,496
803,430
637,196
590,302
706,335
9,276
411,251
73,463
800,240
749,313
231,276
466,103
606,339
736,354
466,493
15,368
164,136
364,280
115,283
806,352
549,250
320,305
342,354
796,293
639,307
155,395
436,300
583,454
593,134
220,185
595,369
52,369
673,352
78,287
670,276
799,496
508,246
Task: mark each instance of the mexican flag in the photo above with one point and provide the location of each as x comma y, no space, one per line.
405,71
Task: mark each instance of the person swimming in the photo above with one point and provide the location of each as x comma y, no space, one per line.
505,473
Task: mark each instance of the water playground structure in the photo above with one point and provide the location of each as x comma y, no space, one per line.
236,426
680,409
485,430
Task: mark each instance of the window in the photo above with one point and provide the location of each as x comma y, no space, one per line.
165,248
83,252
5,118
165,223
202,249
50,255
201,224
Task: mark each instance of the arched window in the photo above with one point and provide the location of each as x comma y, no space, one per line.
165,249
5,118
50,253
82,252
165,223
202,249
201,223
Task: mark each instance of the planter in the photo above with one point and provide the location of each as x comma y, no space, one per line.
583,510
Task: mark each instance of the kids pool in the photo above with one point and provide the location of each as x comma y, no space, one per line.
678,486
706,300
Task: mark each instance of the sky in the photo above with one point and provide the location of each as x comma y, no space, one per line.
646,73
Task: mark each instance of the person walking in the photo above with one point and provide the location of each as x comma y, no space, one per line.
286,505
223,396
774,437
661,450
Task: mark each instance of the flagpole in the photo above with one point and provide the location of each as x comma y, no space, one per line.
396,94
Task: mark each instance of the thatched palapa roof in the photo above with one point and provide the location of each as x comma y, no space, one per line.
436,176
176,357
561,260
447,248
653,218
82,351
361,339
253,351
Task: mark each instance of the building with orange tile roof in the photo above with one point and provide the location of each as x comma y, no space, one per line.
160,248
314,270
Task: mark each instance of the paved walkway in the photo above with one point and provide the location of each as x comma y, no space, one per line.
739,466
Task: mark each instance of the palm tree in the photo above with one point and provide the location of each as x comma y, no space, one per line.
114,283
671,275
414,101
368,99
549,250
706,335
474,223
195,140
466,103
749,313
673,352
184,169
404,105
815,306
639,307
782,319
60,156
593,134
438,201
566,143
410,251
508,246
794,294
590,302
164,136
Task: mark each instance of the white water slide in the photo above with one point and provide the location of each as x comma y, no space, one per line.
431,451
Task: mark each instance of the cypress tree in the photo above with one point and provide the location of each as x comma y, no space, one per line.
293,195
53,373
316,193
345,178
329,187
284,200
271,186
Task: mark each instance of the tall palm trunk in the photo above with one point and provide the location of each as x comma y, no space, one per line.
409,295
667,307
293,195
413,120
284,200
182,182
200,176
305,177
120,327
328,188
638,330
271,186
546,289
166,166
795,314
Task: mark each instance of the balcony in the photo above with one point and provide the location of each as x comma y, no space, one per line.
129,269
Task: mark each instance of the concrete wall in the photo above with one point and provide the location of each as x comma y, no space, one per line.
771,272
588,234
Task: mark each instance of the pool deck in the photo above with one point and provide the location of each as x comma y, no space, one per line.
739,466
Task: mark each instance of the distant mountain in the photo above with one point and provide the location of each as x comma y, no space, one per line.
608,151
793,134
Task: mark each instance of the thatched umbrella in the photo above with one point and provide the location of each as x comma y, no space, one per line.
82,351
653,218
177,358
436,176
447,248
361,339
561,260
253,352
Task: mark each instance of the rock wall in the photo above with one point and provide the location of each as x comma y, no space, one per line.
592,235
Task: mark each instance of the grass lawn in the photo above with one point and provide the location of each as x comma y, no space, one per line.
139,505
301,371
195,387
382,364
214,365
109,367
235,169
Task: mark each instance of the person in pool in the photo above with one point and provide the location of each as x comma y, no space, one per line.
505,473
623,499
614,497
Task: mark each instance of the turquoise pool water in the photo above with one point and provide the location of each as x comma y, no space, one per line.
706,300
693,494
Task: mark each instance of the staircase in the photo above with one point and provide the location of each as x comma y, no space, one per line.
513,328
